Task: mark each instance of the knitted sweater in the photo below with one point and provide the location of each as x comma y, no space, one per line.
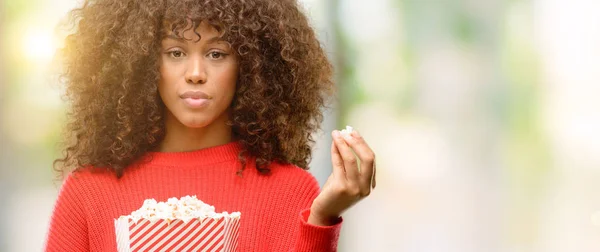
274,208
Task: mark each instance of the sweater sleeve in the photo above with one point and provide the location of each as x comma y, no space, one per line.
317,238
311,237
68,224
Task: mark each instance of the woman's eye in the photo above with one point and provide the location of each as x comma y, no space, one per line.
176,54
216,55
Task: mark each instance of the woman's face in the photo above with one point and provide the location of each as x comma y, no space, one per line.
197,77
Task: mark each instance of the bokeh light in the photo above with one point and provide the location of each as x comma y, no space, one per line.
38,45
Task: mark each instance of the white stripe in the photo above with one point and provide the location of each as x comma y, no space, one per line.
122,235
187,230
218,238
228,232
188,236
138,225
231,243
167,229
236,235
148,235
211,223
211,235
142,231
233,239
166,238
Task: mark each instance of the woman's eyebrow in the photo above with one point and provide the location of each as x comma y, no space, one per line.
215,39
174,37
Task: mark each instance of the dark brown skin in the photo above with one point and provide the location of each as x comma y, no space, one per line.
197,64
124,83
347,185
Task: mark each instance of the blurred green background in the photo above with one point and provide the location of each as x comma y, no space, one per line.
483,114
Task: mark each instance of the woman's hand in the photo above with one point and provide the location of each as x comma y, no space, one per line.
347,185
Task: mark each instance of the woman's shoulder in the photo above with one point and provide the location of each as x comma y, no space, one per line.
293,174
79,186
87,177
288,169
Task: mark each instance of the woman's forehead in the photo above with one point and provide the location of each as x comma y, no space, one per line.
190,29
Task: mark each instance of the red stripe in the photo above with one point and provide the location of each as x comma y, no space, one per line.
208,237
220,247
232,240
181,236
133,223
227,237
145,222
199,233
144,238
234,236
230,229
173,226
212,234
132,244
227,231
217,240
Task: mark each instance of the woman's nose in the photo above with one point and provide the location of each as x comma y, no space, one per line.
196,72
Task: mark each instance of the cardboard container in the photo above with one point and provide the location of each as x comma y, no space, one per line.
209,234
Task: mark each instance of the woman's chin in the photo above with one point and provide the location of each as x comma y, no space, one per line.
195,125
194,122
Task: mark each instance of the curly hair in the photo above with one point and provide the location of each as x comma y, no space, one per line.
110,68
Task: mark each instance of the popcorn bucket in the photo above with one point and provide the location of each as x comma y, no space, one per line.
198,234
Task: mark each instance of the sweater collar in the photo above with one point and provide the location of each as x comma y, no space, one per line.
210,155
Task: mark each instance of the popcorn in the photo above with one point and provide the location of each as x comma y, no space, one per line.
346,131
177,224
186,208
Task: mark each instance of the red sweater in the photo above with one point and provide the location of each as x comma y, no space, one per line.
274,208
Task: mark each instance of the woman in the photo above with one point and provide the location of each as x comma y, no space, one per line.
214,98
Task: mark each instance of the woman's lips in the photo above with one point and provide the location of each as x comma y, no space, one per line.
195,99
195,103
195,95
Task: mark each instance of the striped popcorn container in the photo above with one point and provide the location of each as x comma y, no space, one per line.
199,234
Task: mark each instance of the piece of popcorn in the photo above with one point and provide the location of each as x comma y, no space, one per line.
346,131
186,209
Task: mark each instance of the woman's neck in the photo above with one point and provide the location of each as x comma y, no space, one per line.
180,138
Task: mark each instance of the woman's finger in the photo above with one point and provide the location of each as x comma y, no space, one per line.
337,162
348,157
367,159
374,174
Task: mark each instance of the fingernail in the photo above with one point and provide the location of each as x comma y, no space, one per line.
336,133
347,137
